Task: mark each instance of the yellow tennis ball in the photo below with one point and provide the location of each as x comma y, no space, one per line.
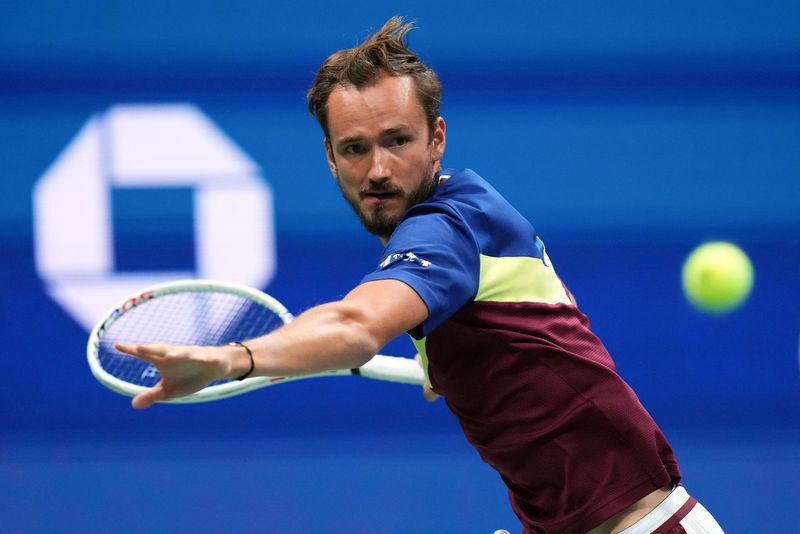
717,277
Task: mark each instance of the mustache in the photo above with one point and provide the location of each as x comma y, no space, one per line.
379,189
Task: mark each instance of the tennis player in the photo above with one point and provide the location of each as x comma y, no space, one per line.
498,333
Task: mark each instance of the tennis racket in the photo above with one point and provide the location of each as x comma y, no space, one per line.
205,312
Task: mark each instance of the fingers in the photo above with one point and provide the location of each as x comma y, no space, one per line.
147,352
151,353
184,370
429,394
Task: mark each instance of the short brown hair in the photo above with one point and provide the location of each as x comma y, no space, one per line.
385,52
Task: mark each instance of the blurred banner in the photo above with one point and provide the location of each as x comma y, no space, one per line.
149,142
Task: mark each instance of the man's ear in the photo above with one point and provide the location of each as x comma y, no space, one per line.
329,155
438,139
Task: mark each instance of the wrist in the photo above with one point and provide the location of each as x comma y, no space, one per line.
241,359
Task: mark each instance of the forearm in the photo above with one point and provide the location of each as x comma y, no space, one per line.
331,336
339,335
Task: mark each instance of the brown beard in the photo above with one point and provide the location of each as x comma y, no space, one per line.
380,223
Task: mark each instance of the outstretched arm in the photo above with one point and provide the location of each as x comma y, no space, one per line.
337,335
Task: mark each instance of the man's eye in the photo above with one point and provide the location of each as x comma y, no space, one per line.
353,149
400,141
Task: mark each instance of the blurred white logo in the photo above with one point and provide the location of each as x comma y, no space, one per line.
148,146
408,256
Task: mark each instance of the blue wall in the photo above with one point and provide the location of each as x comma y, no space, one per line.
627,132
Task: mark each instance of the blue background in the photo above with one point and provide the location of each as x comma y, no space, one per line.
628,132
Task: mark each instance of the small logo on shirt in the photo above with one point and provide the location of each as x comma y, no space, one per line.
407,256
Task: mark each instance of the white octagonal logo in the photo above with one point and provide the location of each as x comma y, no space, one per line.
148,146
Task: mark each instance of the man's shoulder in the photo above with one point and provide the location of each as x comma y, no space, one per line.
497,227
473,196
459,178
464,188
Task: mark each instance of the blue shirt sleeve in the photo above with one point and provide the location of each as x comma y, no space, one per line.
433,251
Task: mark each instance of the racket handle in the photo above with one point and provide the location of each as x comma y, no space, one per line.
392,369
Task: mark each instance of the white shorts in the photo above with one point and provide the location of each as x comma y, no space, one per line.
678,513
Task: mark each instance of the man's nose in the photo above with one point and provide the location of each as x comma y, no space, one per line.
379,165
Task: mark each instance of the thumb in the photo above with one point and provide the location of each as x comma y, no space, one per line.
147,398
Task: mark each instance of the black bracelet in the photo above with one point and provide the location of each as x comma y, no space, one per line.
249,353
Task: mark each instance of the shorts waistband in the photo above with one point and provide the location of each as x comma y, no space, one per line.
675,502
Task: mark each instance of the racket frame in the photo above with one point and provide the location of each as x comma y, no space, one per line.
214,392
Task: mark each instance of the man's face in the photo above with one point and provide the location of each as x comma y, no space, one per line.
380,150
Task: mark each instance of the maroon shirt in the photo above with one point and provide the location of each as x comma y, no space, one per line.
538,396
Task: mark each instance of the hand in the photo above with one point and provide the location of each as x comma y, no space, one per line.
427,392
183,369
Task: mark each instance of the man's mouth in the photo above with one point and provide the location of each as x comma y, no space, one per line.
376,196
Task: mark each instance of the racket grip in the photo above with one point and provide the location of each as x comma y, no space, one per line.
393,369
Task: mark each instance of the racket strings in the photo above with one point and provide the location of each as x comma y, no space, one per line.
187,318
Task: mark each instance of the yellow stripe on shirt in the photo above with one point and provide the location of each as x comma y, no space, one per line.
423,354
519,279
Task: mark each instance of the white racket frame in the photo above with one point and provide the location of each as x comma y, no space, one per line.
380,367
